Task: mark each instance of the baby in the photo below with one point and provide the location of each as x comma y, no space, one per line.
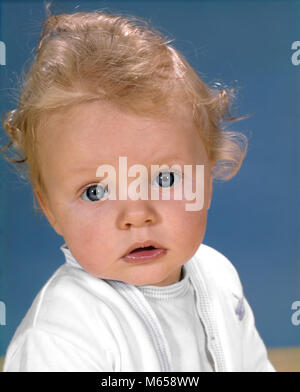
138,291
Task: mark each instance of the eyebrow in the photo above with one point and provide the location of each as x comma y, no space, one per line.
158,161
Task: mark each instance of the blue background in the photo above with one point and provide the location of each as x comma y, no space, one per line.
254,218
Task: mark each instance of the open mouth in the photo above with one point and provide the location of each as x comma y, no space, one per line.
138,250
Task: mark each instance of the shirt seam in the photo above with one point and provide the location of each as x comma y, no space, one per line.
212,332
150,322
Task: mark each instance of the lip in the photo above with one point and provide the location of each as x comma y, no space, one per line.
159,251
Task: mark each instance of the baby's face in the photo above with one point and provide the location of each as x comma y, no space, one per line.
98,232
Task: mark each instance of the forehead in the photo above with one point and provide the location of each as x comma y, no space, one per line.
99,131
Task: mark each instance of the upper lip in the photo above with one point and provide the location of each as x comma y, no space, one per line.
143,244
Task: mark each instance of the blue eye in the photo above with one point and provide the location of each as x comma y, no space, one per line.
94,193
166,179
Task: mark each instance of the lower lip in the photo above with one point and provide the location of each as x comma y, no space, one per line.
143,256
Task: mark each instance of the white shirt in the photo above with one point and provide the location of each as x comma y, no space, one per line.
78,322
175,307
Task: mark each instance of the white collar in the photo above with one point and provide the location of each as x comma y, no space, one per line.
70,259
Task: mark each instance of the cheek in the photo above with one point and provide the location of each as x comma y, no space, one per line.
193,223
185,227
194,230
186,230
86,229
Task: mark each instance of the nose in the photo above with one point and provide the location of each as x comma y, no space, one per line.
136,213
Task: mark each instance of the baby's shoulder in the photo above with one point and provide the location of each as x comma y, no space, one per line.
69,313
216,268
66,301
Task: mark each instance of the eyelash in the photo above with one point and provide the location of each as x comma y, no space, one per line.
180,174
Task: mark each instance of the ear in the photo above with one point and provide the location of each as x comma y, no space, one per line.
47,211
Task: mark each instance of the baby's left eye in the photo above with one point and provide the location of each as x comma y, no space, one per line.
166,178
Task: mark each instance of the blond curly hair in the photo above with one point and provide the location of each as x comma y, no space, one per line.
87,56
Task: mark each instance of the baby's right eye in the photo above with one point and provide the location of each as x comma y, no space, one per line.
94,192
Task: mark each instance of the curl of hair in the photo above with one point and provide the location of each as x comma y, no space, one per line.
87,56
